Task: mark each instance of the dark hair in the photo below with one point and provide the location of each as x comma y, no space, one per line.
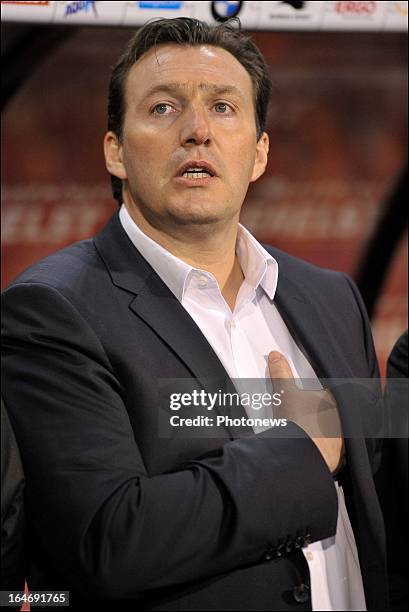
190,32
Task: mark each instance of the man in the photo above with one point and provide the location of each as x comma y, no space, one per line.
174,288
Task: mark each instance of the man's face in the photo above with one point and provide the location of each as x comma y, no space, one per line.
187,107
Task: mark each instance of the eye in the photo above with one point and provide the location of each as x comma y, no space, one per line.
222,107
160,109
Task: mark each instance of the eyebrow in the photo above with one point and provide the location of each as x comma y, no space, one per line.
178,88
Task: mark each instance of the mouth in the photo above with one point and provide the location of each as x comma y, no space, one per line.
196,173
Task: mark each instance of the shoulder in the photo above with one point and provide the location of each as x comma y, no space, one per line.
63,269
333,294
310,277
57,302
68,285
294,266
398,359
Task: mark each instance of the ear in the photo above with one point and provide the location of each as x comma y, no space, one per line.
113,156
261,159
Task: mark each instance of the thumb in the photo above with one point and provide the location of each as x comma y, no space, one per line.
279,367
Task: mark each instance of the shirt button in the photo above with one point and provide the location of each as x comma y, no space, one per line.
301,593
233,323
202,282
280,550
289,545
306,540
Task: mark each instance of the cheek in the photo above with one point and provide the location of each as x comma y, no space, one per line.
144,162
242,160
139,157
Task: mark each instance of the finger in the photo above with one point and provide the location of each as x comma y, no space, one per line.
280,369
279,366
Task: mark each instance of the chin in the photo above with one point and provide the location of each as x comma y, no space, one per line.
205,214
196,219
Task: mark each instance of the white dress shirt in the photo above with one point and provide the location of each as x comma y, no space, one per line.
242,339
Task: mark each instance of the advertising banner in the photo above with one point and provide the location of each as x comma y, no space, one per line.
255,15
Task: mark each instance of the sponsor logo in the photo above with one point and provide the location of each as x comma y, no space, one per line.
31,3
73,8
160,5
296,5
355,8
401,8
222,11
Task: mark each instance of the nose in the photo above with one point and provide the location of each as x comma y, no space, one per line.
195,128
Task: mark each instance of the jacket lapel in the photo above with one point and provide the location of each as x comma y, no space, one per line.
311,333
160,309
309,330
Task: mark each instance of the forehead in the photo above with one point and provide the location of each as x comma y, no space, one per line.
199,67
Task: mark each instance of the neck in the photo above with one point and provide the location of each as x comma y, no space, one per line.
210,247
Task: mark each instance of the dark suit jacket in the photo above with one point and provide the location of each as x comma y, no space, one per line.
117,513
392,477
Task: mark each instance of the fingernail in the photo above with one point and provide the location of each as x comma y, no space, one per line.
274,357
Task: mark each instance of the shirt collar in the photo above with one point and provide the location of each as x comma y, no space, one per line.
259,267
172,270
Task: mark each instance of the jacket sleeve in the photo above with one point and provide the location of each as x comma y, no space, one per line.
122,531
367,333
374,445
